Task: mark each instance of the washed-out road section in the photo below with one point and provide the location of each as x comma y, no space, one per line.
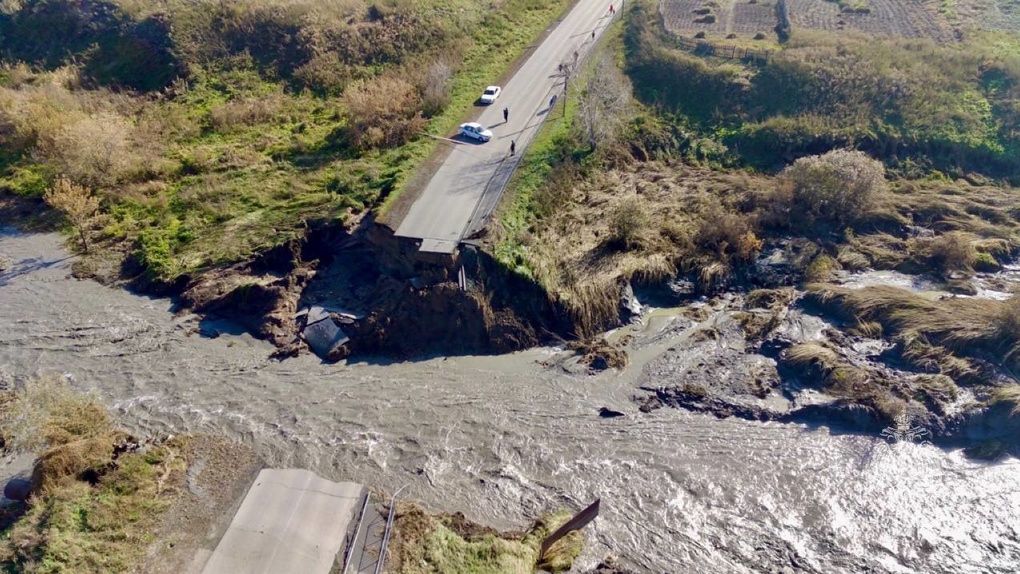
467,186
290,522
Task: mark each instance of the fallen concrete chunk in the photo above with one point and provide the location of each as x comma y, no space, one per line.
323,335
291,521
316,314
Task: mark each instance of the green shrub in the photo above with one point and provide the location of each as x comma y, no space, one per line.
985,263
25,181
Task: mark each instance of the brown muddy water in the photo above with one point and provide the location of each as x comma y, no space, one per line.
503,438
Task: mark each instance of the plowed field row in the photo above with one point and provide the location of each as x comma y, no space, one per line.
906,18
994,14
691,16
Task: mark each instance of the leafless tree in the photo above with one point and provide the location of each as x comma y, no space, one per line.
435,87
604,103
94,150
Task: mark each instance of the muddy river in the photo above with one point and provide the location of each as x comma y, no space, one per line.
503,438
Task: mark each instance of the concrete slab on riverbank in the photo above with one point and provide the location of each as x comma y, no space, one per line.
291,521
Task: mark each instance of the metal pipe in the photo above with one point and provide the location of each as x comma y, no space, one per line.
357,532
386,533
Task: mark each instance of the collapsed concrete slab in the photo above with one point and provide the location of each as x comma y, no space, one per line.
323,335
291,521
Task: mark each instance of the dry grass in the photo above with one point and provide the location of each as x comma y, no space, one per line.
984,211
812,357
448,544
678,218
878,250
47,413
1009,396
965,326
598,348
946,254
773,299
818,364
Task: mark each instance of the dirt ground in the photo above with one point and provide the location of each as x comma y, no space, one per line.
207,495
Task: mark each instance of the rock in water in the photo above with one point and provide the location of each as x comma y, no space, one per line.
18,489
608,413
599,363
630,307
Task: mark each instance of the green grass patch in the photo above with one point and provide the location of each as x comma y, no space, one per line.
79,527
946,107
91,511
428,544
521,209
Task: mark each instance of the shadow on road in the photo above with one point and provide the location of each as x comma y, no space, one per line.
463,139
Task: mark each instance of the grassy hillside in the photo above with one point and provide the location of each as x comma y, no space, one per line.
212,131
916,104
715,159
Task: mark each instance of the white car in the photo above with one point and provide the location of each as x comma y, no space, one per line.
475,130
490,94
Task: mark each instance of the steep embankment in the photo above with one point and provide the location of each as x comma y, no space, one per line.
722,177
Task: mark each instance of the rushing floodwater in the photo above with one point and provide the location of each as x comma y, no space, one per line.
503,438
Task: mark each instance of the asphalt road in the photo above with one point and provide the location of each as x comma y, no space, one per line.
290,522
466,187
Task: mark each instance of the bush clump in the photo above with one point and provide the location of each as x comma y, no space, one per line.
950,253
629,225
382,112
837,187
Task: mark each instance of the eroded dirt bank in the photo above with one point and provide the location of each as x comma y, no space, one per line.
858,354
381,294
505,438
853,352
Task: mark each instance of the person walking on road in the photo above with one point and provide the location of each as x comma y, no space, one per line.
513,147
506,115
593,34
612,10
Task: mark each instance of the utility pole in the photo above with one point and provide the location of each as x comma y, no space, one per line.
568,73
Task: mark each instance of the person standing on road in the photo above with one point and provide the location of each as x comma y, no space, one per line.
593,34
506,115
513,147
